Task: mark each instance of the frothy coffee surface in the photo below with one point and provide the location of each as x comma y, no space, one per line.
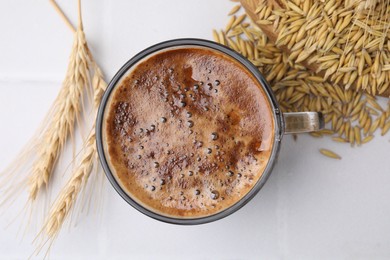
188,132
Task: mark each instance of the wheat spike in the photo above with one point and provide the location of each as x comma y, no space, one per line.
70,192
63,121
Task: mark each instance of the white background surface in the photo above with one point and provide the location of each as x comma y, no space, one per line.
312,207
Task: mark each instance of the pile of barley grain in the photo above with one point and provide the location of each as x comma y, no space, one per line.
340,40
353,116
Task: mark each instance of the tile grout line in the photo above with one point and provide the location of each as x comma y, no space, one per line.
28,80
281,223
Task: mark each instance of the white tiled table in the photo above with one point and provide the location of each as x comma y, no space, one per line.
311,207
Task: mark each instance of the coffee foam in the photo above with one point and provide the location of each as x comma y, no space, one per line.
188,132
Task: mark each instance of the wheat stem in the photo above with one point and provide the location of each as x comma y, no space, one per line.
80,15
62,15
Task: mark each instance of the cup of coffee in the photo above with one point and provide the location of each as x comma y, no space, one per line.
188,131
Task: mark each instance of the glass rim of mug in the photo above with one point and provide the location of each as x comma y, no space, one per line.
191,42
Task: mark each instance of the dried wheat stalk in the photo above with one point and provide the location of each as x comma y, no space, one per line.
48,143
58,125
69,194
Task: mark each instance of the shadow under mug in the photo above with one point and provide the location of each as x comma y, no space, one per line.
285,123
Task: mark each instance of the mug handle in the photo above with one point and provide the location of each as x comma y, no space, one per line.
302,122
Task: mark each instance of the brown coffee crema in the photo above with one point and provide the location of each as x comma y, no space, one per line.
188,132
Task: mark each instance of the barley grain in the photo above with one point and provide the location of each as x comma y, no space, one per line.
234,9
330,154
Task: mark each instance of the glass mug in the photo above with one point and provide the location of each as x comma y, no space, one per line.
285,123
